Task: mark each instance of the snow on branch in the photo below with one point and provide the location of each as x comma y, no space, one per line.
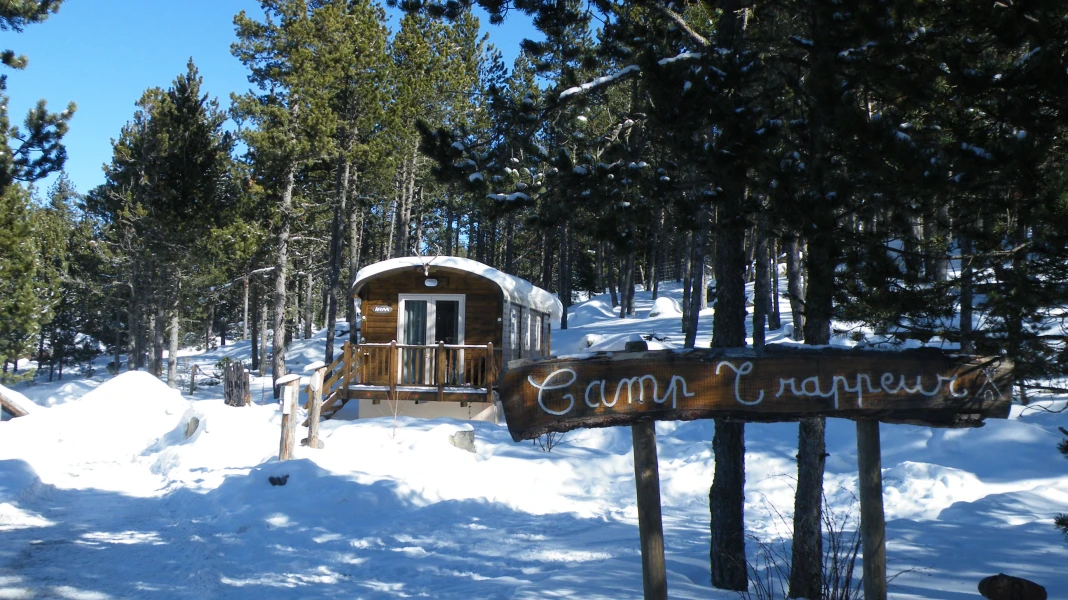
684,56
599,82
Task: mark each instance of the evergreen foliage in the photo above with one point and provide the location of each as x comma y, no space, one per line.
20,302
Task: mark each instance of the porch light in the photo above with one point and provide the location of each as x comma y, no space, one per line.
431,282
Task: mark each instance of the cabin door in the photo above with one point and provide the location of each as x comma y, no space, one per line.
425,320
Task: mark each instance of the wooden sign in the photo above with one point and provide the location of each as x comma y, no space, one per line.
926,387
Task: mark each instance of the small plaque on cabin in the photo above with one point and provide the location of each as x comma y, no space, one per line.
382,309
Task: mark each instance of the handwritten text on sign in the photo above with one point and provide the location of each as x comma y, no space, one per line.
781,385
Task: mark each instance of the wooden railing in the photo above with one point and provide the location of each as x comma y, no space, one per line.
439,365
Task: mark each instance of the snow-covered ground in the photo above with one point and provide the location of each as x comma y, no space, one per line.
103,495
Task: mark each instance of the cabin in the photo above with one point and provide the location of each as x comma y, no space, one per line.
433,336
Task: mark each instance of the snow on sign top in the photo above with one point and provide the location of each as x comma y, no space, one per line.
515,289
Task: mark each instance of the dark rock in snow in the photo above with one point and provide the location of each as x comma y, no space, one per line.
1007,587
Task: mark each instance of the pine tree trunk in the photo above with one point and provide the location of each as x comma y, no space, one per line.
244,309
967,276
794,287
657,255
208,326
912,248
308,312
728,325
264,314
172,350
356,237
491,244
333,271
624,284
392,227
806,565
726,500
449,216
762,283
137,327
564,275
611,275
417,210
278,349
159,327
774,318
687,281
626,291
254,345
509,252
806,568
404,210
697,272
118,338
598,268
938,271
726,496
547,260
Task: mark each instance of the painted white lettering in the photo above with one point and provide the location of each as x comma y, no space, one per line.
952,388
593,384
739,372
545,385
629,384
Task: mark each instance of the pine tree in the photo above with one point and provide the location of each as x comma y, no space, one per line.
19,304
292,124
168,186
33,151
27,154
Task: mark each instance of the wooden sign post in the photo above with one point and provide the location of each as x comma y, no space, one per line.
315,404
290,390
783,383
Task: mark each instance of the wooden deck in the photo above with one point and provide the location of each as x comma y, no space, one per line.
403,372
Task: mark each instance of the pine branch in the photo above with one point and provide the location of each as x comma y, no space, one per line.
682,24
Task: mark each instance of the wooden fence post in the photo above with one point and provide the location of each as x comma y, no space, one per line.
193,379
872,518
236,390
346,364
394,360
650,521
315,404
290,390
439,369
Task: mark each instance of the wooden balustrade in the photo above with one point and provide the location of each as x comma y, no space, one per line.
444,372
441,365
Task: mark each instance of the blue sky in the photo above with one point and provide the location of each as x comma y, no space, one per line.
102,54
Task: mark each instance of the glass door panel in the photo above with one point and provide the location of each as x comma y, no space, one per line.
426,320
447,329
413,360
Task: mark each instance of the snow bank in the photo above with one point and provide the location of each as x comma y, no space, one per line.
116,421
665,307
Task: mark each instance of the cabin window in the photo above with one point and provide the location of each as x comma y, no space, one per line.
537,336
513,334
526,333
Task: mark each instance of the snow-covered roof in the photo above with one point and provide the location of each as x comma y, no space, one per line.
515,289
